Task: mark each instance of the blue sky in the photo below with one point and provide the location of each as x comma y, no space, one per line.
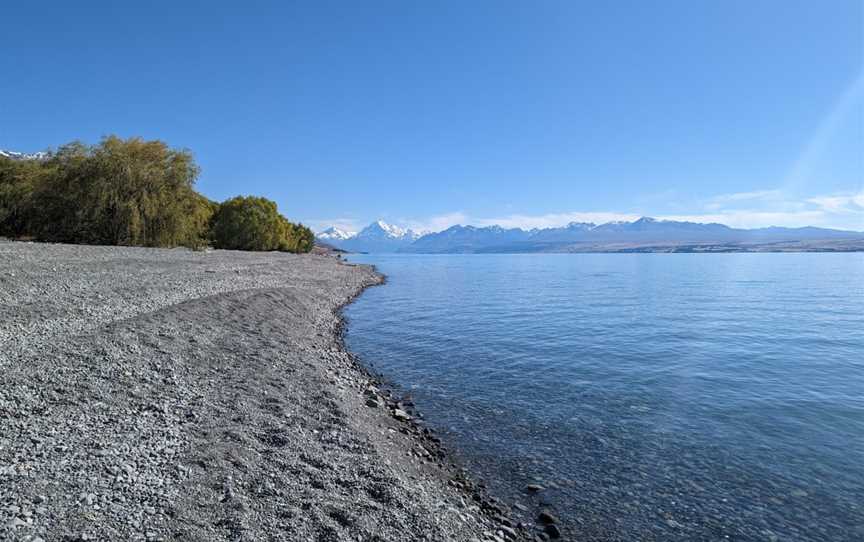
427,114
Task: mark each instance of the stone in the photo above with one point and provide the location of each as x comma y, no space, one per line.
401,415
534,488
552,530
508,532
547,517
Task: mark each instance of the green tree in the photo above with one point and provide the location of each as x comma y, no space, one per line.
17,181
120,192
133,192
254,223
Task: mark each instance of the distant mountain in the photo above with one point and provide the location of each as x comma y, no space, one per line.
376,237
642,235
334,234
12,155
468,239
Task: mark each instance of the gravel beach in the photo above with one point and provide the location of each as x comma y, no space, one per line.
152,394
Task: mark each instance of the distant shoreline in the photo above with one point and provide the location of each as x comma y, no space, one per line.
643,235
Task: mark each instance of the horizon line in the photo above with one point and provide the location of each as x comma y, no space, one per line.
645,218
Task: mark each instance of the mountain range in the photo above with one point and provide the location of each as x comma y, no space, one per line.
642,235
376,237
12,155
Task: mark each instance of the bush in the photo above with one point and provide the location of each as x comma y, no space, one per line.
133,192
17,182
119,192
253,223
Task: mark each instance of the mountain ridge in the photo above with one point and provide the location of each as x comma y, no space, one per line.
639,235
14,155
378,236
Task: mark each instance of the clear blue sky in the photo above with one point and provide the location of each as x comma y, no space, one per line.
430,113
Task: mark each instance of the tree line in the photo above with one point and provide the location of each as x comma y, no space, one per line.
133,192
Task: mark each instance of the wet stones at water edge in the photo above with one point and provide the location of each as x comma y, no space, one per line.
428,448
549,522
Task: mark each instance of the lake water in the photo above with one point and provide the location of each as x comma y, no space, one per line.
657,396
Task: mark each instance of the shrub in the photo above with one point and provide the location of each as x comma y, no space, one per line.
254,223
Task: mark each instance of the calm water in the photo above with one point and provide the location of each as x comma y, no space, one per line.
660,396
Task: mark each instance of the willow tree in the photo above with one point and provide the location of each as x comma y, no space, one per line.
121,192
253,223
18,180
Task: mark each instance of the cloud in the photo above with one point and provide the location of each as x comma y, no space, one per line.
843,203
843,210
718,202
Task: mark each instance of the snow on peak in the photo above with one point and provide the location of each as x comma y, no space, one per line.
379,229
335,234
12,155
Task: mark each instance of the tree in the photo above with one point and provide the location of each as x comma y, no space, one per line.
120,192
254,223
136,193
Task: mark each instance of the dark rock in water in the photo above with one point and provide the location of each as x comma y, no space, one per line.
372,403
552,530
534,488
547,517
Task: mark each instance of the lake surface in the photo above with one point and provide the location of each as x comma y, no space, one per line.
657,396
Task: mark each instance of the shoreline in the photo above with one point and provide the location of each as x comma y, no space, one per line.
430,447
157,394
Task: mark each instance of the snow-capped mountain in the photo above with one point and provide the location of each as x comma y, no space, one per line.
12,155
382,230
334,234
468,239
642,234
378,236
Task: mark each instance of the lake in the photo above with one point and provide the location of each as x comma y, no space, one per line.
655,396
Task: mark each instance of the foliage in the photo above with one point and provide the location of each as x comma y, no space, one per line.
132,192
253,223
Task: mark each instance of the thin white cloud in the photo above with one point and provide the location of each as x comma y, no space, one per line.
756,195
842,203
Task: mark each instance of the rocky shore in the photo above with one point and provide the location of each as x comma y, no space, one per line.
153,394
